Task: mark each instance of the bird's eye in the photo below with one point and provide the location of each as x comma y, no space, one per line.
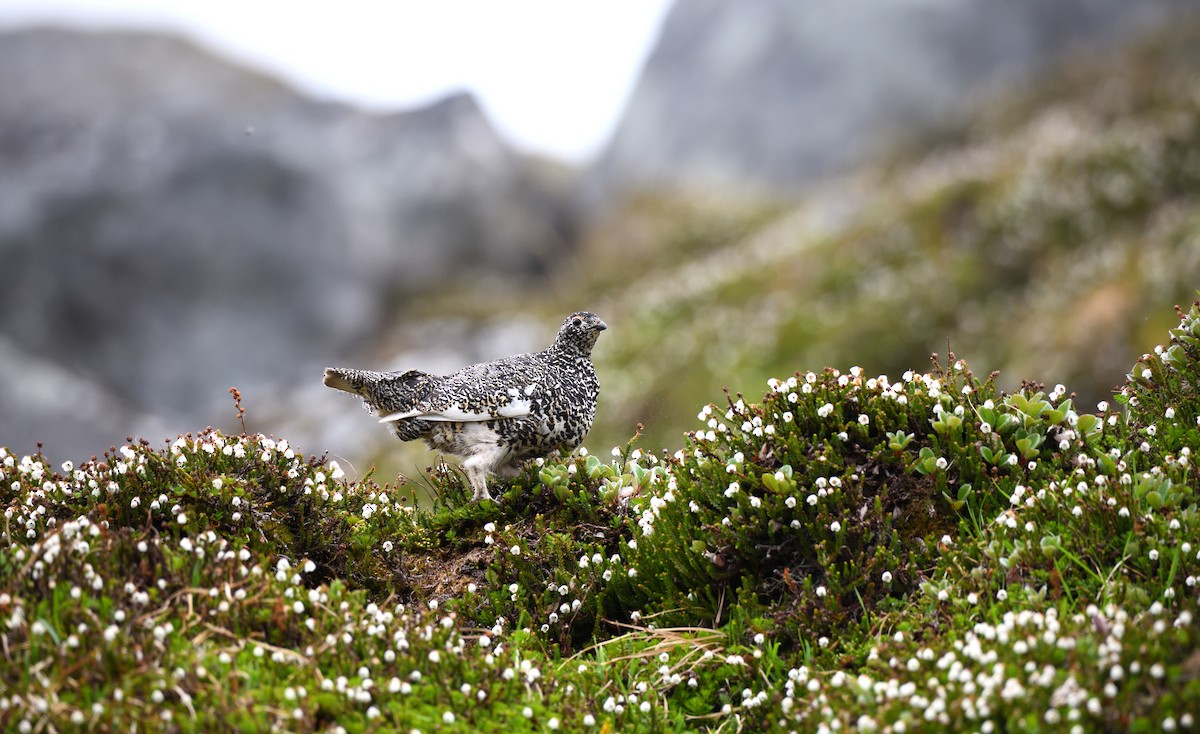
577,321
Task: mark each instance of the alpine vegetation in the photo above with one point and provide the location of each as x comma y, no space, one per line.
847,552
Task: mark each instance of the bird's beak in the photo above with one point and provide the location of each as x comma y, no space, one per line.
600,325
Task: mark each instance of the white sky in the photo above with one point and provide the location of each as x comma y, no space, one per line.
552,75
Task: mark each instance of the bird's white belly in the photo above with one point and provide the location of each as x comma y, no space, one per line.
463,439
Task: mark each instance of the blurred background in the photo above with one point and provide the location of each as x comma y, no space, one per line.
195,196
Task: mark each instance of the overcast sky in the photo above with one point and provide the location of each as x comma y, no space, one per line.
552,75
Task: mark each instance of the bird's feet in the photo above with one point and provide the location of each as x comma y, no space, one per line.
477,478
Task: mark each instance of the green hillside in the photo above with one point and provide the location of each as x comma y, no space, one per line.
1040,238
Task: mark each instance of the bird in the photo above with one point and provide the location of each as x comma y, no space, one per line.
493,416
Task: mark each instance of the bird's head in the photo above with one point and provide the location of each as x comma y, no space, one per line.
579,331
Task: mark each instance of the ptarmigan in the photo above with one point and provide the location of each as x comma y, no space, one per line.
492,415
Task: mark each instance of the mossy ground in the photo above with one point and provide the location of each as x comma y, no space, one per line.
849,551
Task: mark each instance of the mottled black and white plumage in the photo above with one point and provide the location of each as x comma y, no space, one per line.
492,415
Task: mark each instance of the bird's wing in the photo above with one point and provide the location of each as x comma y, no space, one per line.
483,392
459,412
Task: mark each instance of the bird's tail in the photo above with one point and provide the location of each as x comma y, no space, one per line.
383,392
348,380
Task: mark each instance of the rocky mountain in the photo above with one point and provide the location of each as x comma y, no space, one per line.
172,224
775,94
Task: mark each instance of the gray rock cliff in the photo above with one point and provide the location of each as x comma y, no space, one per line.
172,224
776,94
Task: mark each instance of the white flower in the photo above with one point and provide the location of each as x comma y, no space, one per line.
448,717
